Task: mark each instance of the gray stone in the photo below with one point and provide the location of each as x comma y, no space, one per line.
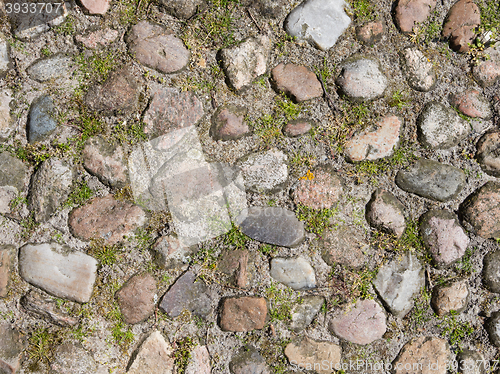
307,354
169,252
248,360
11,348
58,270
303,314
296,273
320,22
7,195
199,362
488,153
137,298
246,62
424,355
481,210
106,161
360,323
432,179
386,213
47,309
184,9
28,26
398,282
154,356
450,296
420,72
493,328
440,127
72,358
487,73
13,172
344,245
56,66
5,63
472,362
50,187
155,47
7,123
7,253
443,236
187,293
228,123
362,79
41,119
272,225
265,172
491,271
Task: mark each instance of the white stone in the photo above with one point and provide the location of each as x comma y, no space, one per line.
296,273
4,54
6,123
265,171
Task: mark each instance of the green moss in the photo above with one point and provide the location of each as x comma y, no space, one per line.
420,313
362,10
464,267
399,99
68,27
41,344
234,238
280,301
104,253
455,330
182,353
97,66
79,195
316,220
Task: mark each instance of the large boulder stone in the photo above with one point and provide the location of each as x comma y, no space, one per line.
265,172
302,314
72,358
472,103
97,7
237,263
199,362
322,191
460,25
424,355
243,314
296,273
11,348
481,210
450,296
228,123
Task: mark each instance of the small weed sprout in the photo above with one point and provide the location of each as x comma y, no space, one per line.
455,330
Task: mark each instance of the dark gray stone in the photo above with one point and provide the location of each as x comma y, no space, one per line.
272,225
41,119
13,171
491,271
72,358
46,308
493,328
187,294
432,179
54,67
304,313
296,273
11,347
248,360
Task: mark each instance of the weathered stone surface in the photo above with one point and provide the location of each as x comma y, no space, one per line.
199,362
488,153
272,225
481,210
107,218
308,354
409,13
472,103
41,119
187,293
398,282
296,81
169,252
320,22
322,191
270,8
54,67
264,171
244,313
386,213
472,362
303,314
246,62
344,245
95,6
432,179
156,47
72,358
11,348
443,236
491,271
170,109
46,308
27,26
440,127
97,38
50,187
425,355
360,323
451,296
136,298
248,360
236,263
492,325
58,270
7,253
298,127
7,195
118,94
228,123
12,171
296,273
487,72
184,9
460,24
362,79
6,121
106,161
420,72
5,63
379,142
370,33
154,356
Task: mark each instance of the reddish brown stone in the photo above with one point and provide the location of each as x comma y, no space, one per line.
296,81
320,189
481,210
452,296
96,6
297,127
243,314
460,25
101,37
488,154
107,218
235,262
472,104
136,298
370,33
409,13
425,355
228,123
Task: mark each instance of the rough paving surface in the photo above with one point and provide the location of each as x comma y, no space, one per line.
94,102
